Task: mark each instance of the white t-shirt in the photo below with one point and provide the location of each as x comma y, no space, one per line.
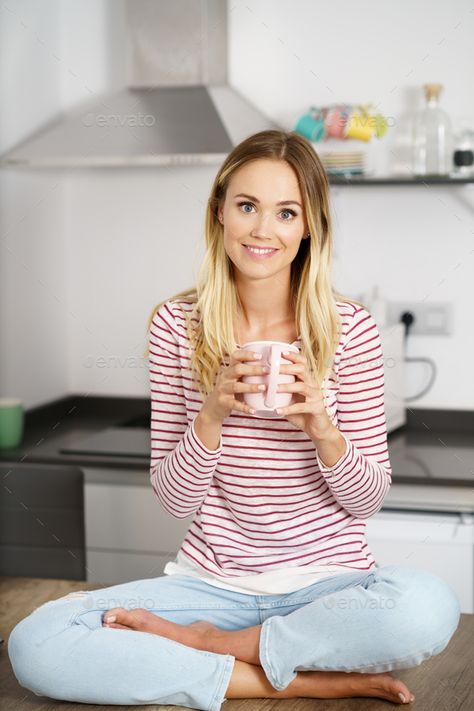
275,582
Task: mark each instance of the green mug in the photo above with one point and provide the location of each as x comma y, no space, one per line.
11,422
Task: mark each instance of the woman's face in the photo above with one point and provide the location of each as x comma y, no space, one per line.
251,215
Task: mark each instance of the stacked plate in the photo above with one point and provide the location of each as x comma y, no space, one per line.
345,157
343,162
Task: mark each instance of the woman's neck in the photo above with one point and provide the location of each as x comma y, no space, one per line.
264,303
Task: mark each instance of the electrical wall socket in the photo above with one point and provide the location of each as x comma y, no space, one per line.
431,318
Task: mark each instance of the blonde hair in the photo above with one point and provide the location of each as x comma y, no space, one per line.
313,299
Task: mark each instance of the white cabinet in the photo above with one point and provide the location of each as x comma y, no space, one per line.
440,543
129,536
112,567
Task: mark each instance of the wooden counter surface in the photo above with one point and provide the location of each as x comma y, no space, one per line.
443,683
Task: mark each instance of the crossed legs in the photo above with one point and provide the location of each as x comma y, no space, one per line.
248,679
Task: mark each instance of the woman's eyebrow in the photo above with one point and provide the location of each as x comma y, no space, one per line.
282,202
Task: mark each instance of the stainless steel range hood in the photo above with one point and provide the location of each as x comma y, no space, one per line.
177,107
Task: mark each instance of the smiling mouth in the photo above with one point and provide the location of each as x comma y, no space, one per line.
262,253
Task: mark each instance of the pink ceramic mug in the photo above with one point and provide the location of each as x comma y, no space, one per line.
266,402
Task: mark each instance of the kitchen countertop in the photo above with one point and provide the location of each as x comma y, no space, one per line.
444,682
69,419
435,447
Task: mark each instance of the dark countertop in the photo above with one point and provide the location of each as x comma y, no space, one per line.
72,418
435,446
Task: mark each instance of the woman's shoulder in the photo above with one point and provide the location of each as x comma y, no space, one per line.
358,326
176,313
348,306
183,308
354,316
176,307
349,310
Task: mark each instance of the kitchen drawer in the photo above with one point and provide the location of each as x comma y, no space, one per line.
39,561
46,526
114,567
130,518
441,544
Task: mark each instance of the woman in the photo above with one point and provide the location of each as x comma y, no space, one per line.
274,592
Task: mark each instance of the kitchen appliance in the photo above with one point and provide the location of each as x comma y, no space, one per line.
392,338
178,107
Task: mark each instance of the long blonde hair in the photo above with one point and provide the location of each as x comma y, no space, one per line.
215,297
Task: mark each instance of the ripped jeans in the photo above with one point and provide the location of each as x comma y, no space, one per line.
391,618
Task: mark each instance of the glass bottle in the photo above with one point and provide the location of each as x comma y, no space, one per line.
432,139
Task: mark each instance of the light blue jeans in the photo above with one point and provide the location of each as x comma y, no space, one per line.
391,618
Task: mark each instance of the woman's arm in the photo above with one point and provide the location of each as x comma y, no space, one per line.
361,477
208,431
182,464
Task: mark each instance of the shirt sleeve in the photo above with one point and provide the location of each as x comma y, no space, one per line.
361,478
181,467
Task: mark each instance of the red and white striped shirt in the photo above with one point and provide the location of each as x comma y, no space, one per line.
268,514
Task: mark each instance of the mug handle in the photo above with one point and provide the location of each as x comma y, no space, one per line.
275,352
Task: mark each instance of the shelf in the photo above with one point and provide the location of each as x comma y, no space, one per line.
397,180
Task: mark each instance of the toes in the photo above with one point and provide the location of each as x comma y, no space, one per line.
406,698
404,694
118,615
392,689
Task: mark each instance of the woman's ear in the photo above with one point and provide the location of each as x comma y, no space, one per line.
220,212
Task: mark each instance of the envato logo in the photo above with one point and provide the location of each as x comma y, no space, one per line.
386,361
115,362
378,603
117,120
106,603
362,121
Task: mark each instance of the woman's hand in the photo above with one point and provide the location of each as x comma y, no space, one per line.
224,398
308,413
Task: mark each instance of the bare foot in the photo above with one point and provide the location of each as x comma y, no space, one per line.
384,686
196,634
313,684
336,685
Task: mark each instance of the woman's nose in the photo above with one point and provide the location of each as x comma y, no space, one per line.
262,227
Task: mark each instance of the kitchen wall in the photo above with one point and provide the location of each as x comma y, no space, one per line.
33,307
87,253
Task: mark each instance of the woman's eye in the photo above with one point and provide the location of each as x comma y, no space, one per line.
245,203
291,213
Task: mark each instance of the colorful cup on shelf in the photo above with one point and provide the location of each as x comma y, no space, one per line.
380,125
311,126
335,122
376,121
359,126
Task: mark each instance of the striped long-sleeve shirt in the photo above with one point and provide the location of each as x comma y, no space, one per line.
269,516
